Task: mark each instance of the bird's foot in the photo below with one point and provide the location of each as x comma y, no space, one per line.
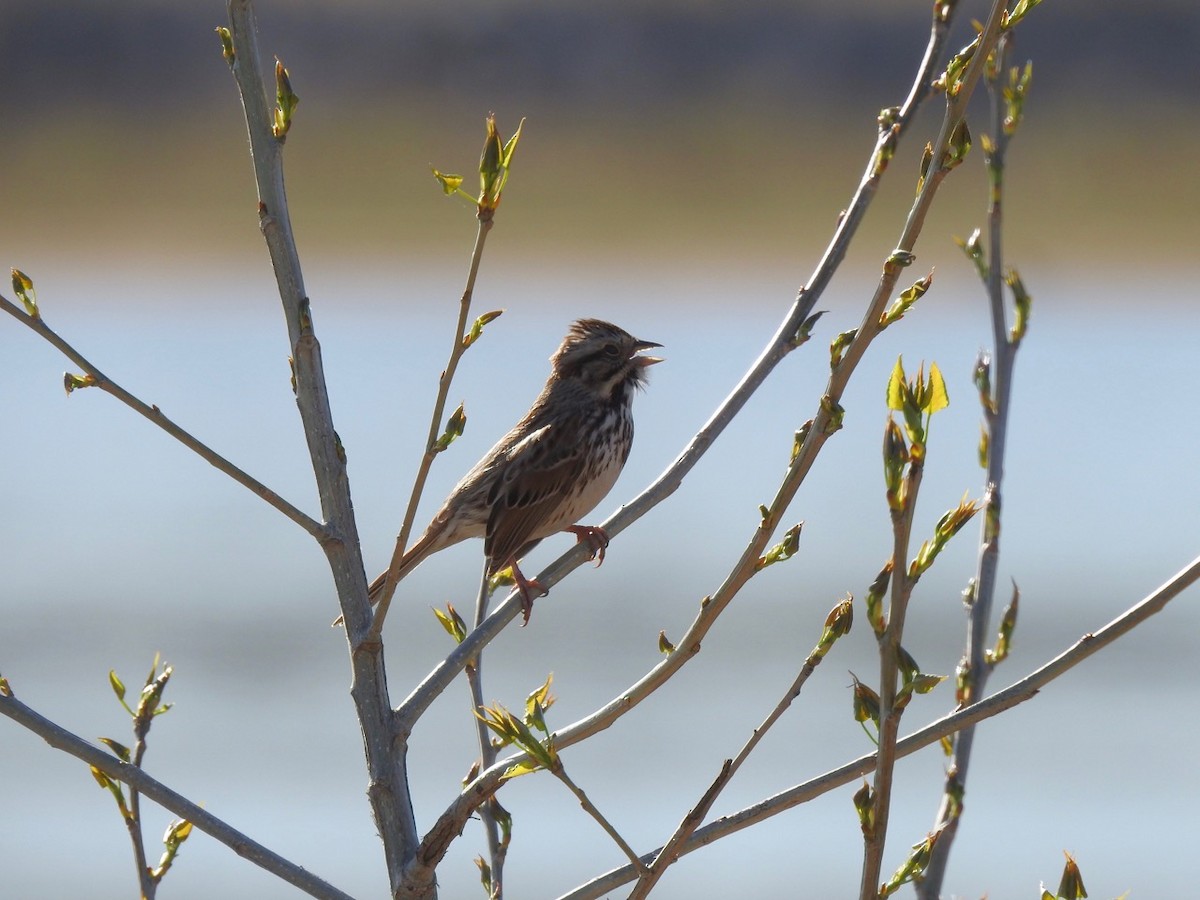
530,589
594,536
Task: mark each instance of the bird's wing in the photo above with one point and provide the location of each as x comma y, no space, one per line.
539,473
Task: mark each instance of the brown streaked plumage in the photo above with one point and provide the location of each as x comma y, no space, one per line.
554,466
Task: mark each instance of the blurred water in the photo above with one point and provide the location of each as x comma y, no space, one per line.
119,543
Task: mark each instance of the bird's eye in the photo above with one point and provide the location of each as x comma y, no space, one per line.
612,351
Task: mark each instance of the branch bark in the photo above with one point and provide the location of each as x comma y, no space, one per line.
388,788
61,739
156,416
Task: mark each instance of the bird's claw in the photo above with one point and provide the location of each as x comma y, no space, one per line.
595,537
530,589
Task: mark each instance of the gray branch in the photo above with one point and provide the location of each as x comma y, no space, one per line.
61,739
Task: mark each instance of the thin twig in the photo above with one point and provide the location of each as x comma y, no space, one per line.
486,220
155,415
875,838
979,614
590,808
388,787
487,751
1025,689
61,739
673,849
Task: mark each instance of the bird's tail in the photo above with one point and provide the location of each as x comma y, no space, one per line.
411,559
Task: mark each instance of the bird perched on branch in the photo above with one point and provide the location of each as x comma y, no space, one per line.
554,466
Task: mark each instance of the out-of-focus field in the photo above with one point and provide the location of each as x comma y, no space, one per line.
682,167
752,185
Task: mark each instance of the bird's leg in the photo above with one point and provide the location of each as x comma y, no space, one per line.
594,536
527,586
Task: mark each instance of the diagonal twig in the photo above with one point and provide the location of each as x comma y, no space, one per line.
61,739
155,415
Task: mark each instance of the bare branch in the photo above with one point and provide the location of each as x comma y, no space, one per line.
247,848
388,788
155,415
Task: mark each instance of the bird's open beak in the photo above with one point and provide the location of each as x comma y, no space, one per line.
644,361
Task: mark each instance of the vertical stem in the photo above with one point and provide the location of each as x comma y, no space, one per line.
889,668
980,613
386,756
487,753
146,884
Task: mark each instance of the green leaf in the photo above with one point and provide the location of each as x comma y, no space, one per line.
1008,622
904,302
452,622
804,332
118,685
73,382
285,102
874,599
1023,303
834,414
477,327
451,184
494,164
838,623
837,347
798,440
1071,885
23,288
665,647
116,747
866,703
226,43
784,550
897,389
936,399
538,701
454,429
959,146
864,805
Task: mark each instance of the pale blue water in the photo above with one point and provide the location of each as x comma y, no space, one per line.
119,543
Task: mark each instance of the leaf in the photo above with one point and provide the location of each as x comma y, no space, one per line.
477,327
451,184
665,647
116,747
452,622
23,288
936,398
837,347
73,382
285,101
118,686
454,429
897,389
226,43
784,550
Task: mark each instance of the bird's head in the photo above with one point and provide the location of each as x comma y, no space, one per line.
602,357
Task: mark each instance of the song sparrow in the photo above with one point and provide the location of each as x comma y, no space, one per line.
555,465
